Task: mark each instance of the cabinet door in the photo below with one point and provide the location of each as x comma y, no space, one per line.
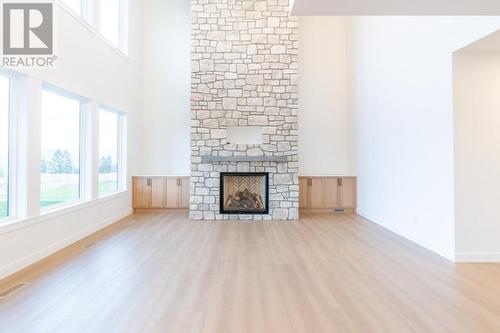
184,192
316,193
303,192
157,193
141,193
172,193
347,192
331,192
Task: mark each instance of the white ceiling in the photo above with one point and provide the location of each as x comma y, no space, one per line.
395,7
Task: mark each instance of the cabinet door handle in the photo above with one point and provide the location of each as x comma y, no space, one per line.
309,182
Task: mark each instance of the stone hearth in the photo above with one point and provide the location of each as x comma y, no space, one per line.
244,73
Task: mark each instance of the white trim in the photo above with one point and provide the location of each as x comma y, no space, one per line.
64,92
82,155
121,147
15,96
477,257
17,224
122,152
13,163
10,145
29,150
84,22
51,249
85,151
124,26
108,108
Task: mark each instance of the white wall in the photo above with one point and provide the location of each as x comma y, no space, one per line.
477,155
167,87
87,66
401,99
324,145
324,132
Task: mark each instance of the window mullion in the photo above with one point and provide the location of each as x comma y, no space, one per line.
15,92
92,158
30,149
119,171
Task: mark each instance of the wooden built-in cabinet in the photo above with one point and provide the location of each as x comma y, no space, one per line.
321,194
160,192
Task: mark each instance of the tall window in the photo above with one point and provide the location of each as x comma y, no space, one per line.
60,165
4,145
109,152
111,21
75,5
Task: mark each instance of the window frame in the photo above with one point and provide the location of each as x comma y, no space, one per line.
121,146
83,6
24,176
90,15
13,162
10,123
122,23
83,154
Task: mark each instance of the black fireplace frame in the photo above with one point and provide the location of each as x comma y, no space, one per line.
246,212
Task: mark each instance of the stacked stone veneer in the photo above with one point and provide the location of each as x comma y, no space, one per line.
244,73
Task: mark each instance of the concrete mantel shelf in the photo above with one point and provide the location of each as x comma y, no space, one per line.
244,159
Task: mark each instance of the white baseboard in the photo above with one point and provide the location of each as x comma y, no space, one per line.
47,251
477,257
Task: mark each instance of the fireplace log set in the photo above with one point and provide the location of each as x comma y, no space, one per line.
244,199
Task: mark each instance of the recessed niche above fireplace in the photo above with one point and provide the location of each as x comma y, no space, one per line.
244,193
244,135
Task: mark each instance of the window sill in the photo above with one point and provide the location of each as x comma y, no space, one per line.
62,206
106,196
93,30
13,224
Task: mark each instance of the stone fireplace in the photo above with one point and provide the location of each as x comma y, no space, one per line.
244,193
244,84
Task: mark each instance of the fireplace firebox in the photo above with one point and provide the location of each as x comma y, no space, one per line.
244,193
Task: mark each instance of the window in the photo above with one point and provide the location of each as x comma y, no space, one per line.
109,152
111,21
4,145
60,165
107,16
75,5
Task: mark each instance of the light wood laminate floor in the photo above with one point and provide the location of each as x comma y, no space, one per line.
325,273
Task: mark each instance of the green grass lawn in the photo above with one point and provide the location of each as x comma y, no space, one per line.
60,195
63,194
107,187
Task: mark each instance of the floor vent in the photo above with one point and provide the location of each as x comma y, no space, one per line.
13,289
86,246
